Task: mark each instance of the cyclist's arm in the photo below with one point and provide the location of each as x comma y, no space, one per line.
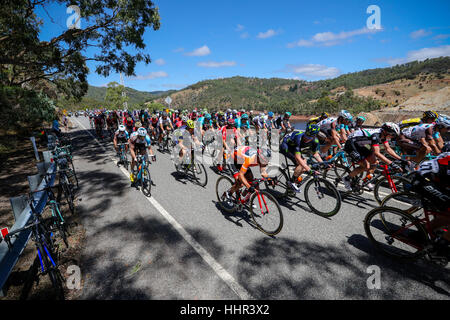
391,151
302,162
379,155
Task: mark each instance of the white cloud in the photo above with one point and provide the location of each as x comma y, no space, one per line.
419,33
239,28
269,33
330,38
160,62
245,35
214,64
441,36
202,51
150,75
313,70
178,50
420,55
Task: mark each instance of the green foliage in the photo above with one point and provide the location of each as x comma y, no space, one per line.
115,98
21,107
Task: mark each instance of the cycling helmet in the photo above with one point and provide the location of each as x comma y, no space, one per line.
164,114
391,128
184,119
138,124
220,113
324,115
346,115
142,132
234,111
312,130
231,122
270,114
430,115
442,122
262,114
361,118
228,110
244,116
287,114
207,116
122,128
190,124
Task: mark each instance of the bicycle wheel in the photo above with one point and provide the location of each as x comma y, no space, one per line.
68,193
58,222
199,173
340,168
146,182
223,185
279,188
323,198
406,201
395,233
267,214
382,188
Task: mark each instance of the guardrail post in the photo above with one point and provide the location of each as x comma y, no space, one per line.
47,156
42,167
34,181
18,204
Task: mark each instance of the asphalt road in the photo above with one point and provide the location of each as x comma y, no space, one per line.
177,244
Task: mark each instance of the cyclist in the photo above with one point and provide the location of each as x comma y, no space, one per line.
357,125
296,143
181,139
441,128
164,125
418,139
427,117
432,182
333,130
316,120
120,136
139,143
233,141
363,147
244,158
282,122
129,123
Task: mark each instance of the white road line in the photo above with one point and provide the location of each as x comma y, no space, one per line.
218,269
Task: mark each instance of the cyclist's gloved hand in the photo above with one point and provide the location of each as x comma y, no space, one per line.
251,189
395,166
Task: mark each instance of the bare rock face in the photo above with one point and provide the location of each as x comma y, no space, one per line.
438,101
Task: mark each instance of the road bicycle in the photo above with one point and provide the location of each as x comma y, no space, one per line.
191,167
123,158
42,237
321,195
65,184
406,234
143,178
265,210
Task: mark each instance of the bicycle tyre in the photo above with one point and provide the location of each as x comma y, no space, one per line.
281,181
146,183
60,224
68,194
220,201
199,169
399,182
332,190
255,215
380,247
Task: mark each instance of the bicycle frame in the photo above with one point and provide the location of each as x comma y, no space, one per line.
141,165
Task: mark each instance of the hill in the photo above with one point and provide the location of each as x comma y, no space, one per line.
303,97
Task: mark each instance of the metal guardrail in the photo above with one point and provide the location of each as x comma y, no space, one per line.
22,214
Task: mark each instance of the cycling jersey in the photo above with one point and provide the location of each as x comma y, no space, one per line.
121,136
367,138
138,143
424,130
280,120
293,142
165,122
244,158
409,122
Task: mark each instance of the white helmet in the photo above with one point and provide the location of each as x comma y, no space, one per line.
391,128
122,127
142,132
346,115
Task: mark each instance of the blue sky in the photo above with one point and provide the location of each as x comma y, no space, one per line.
309,40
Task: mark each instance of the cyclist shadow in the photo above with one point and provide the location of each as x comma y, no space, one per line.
239,215
357,201
421,271
294,202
